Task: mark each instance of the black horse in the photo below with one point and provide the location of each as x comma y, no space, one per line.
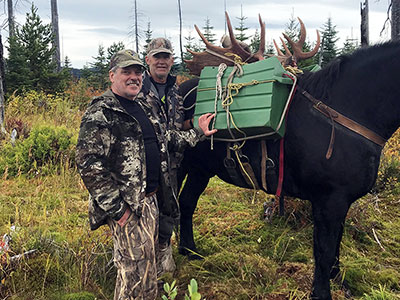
364,87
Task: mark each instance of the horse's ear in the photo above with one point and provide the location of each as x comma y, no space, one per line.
214,55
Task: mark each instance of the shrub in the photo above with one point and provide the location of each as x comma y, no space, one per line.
389,169
79,94
45,145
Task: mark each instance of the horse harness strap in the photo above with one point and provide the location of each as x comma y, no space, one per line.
244,167
342,120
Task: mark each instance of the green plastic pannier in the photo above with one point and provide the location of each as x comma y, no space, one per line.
258,106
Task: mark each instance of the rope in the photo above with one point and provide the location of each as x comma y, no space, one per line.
244,171
253,82
293,70
184,98
218,95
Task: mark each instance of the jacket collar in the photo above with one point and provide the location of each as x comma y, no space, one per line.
149,85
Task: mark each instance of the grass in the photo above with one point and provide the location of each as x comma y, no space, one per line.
245,257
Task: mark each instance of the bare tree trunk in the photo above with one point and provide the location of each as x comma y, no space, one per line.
364,24
56,34
180,30
11,23
395,20
136,29
2,102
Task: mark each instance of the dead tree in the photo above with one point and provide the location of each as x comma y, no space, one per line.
11,22
2,102
395,34
180,29
56,34
364,24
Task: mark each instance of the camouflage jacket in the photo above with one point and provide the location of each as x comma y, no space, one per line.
110,158
173,116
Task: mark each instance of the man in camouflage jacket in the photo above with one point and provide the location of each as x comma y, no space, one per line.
161,92
111,158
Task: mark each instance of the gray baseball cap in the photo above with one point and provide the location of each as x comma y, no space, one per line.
159,45
125,58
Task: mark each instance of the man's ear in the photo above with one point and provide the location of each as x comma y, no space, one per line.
111,76
146,58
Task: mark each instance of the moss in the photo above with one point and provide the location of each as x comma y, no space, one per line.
79,296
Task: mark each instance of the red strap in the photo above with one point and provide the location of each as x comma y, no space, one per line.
280,179
281,149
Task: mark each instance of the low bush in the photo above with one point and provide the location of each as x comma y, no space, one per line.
46,145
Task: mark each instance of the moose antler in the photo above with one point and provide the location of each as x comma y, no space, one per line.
297,47
214,55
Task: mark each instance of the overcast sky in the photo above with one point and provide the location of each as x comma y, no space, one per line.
86,24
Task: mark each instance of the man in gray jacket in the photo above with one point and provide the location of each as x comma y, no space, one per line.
123,160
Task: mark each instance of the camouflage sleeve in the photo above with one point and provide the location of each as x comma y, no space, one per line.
93,161
179,139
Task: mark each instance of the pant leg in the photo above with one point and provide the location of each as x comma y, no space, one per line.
134,254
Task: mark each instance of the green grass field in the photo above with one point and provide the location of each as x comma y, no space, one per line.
245,257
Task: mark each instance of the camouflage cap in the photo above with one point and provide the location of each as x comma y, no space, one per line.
159,45
125,58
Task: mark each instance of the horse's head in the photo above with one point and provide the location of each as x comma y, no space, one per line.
214,55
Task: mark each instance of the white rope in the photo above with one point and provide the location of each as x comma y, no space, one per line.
218,95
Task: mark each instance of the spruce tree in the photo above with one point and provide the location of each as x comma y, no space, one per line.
98,75
149,36
349,46
29,64
96,72
114,48
255,41
329,49
207,32
292,30
241,36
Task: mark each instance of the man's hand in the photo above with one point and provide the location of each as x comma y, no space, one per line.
121,222
204,121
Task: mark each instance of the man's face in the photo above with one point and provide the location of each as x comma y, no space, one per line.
159,66
126,82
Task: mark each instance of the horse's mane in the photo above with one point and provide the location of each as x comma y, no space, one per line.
320,83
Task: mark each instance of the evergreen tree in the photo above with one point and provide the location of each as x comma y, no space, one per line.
241,36
329,49
255,42
292,30
30,65
349,46
149,36
67,63
96,73
207,32
270,48
190,45
114,48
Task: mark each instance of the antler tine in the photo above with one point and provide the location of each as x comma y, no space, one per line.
206,42
298,47
216,54
278,50
288,53
261,49
235,47
303,33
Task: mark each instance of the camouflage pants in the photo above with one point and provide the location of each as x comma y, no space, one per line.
134,254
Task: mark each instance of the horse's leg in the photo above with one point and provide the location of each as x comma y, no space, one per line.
195,184
329,213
